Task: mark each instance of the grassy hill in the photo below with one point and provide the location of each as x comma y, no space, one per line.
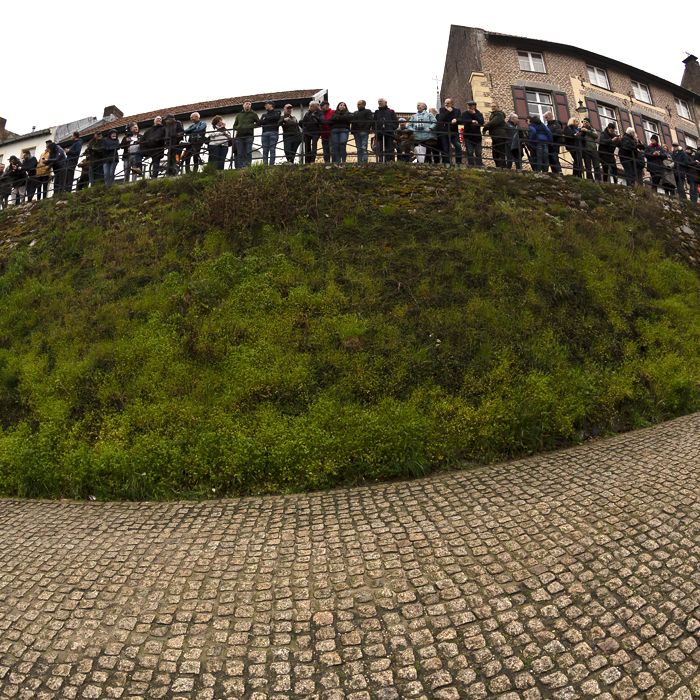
288,329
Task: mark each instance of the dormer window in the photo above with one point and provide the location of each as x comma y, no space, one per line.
533,62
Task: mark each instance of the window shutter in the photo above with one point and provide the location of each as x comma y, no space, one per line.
639,127
520,102
625,119
666,131
562,107
681,139
592,107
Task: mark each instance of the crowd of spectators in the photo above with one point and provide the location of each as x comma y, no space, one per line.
447,136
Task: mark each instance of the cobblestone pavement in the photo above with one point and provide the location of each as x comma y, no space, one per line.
567,575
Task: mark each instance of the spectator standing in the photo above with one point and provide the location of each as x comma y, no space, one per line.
693,173
423,125
681,163
404,139
385,125
57,160
589,141
18,180
362,124
448,132
291,133
29,163
84,179
557,129
433,152
269,121
110,155
218,143
5,187
628,156
609,141
311,127
499,135
473,120
572,141
196,134
540,138
339,123
174,134
131,152
152,146
43,175
73,156
245,124
655,156
327,113
513,152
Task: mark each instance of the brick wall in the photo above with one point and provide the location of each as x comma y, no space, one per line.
463,57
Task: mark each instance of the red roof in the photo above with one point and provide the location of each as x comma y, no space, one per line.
201,106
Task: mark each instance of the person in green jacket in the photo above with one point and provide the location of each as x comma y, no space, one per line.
496,126
245,123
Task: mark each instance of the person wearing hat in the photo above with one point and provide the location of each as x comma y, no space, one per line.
473,120
589,141
291,133
110,155
174,133
609,141
270,132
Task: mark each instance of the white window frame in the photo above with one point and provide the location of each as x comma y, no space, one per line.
642,93
527,61
606,119
32,151
598,76
651,129
683,109
541,107
691,141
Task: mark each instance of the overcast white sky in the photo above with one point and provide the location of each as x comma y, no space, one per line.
151,55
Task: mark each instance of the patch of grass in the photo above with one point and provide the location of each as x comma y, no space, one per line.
289,329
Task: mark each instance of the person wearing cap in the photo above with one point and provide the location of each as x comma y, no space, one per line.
153,145
291,133
57,160
589,141
269,121
174,133
244,124
195,133
360,128
385,125
473,120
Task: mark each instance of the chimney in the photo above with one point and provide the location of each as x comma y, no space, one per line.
113,112
691,74
3,122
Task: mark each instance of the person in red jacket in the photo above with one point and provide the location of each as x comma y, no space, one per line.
326,131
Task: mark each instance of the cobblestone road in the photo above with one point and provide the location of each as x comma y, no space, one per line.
568,575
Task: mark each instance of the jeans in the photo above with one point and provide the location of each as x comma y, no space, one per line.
70,177
326,144
473,149
630,171
217,155
109,169
385,148
244,151
192,154
131,161
575,154
609,169
361,146
269,141
310,147
498,150
42,187
339,145
446,142
554,163
693,189
542,162
291,144
591,162
19,193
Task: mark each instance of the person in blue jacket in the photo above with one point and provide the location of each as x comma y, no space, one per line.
196,134
540,138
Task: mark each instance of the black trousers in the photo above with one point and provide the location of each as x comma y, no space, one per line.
310,147
385,148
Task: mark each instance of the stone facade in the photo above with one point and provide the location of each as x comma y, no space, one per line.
484,66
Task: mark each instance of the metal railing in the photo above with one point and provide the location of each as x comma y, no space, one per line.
379,143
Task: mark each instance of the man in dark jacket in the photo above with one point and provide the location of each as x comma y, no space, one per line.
311,129
655,156
609,141
448,132
196,133
5,187
681,163
17,179
29,164
362,124
473,120
57,160
291,133
95,154
269,121
385,125
174,133
693,173
499,135
557,129
73,156
110,155
153,145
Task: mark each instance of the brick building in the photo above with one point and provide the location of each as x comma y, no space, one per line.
529,76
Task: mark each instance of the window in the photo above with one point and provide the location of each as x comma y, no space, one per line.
691,141
597,76
683,109
32,151
2,155
533,62
607,116
650,129
538,103
641,92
